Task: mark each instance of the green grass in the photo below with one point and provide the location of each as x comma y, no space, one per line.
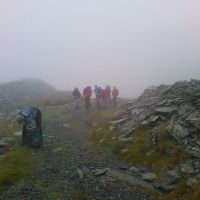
167,155
17,161
184,192
77,195
15,166
8,127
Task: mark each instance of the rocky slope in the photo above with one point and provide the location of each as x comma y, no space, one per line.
178,106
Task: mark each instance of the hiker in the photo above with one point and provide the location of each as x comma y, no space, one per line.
77,95
115,93
31,118
87,93
108,88
104,97
97,92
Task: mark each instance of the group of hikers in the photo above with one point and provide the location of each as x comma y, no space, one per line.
104,96
31,118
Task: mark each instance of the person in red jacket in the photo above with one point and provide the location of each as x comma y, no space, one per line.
87,93
115,93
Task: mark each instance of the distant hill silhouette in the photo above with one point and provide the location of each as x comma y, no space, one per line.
24,92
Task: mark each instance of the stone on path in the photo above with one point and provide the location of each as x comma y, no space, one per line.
66,125
130,179
134,170
122,139
102,171
162,186
149,176
57,149
123,150
80,173
18,133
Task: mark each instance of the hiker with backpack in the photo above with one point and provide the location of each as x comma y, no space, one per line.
87,93
77,95
31,119
97,92
104,97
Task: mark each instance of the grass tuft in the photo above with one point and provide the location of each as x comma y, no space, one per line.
15,166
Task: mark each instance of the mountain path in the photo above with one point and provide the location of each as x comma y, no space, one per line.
69,164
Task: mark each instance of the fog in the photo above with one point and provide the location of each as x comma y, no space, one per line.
130,44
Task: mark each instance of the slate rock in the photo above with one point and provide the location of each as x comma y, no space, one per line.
122,139
187,168
162,186
178,131
192,182
166,110
100,172
134,170
149,176
194,119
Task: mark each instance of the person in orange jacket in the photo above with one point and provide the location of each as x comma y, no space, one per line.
87,93
115,93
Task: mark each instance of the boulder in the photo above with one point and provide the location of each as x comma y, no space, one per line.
136,112
193,182
134,170
193,152
196,165
194,119
187,168
151,120
166,110
178,131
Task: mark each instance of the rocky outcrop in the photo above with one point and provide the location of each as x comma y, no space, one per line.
177,104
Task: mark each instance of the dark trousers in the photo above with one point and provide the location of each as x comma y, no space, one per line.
114,101
87,103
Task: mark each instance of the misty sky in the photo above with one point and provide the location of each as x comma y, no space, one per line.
131,44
